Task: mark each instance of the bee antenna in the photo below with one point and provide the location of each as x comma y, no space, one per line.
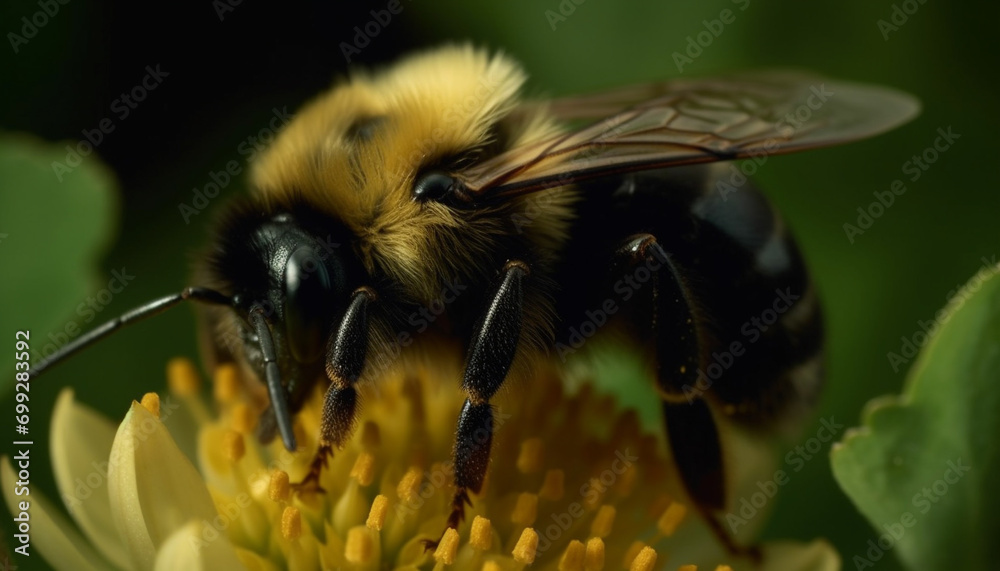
148,309
279,404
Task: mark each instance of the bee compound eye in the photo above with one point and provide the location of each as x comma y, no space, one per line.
434,185
308,304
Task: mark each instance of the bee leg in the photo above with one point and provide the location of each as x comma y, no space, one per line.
694,441
494,344
345,362
691,430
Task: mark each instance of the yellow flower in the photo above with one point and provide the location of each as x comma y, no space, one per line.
574,484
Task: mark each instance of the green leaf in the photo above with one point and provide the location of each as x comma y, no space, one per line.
52,232
923,466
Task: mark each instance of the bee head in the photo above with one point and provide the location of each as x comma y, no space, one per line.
293,268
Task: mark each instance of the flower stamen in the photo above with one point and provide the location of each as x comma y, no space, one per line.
671,519
481,536
595,554
574,557
644,561
226,383
378,513
151,402
527,547
279,489
605,518
360,546
448,547
291,523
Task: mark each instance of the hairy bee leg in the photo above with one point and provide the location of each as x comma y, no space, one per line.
691,430
345,362
494,344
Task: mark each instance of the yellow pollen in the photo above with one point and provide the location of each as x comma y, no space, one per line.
553,486
595,554
234,446
491,566
376,517
226,383
605,518
672,518
182,377
574,556
359,548
371,438
446,550
481,535
410,484
527,547
644,561
632,552
364,469
291,523
244,419
279,490
529,460
525,510
151,402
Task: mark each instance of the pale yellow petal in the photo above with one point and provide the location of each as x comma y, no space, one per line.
197,547
154,488
81,442
792,556
51,536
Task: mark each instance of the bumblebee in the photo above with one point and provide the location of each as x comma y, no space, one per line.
436,176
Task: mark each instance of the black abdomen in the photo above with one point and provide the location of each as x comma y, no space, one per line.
758,319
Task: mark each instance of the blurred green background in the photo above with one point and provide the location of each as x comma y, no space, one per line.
226,76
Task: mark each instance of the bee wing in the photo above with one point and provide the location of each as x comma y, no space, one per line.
690,121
